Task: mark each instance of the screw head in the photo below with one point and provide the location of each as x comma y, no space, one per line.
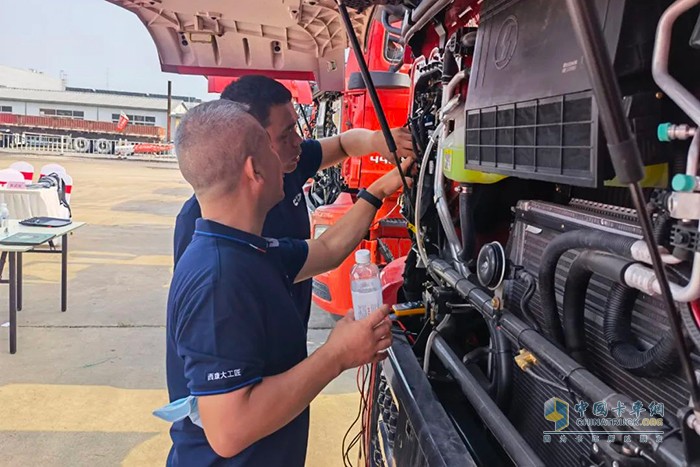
616,464
596,449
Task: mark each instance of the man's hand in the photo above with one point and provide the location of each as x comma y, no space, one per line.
390,182
355,343
234,420
404,145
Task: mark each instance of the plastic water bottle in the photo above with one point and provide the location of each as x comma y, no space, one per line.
4,217
365,285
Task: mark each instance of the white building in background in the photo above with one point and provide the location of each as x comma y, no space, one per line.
27,92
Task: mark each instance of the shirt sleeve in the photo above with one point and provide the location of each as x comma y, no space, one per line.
221,338
290,254
310,160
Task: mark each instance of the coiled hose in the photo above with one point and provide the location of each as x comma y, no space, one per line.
584,239
658,360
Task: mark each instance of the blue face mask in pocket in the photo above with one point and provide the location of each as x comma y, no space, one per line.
179,410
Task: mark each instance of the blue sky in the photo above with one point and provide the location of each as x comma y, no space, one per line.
97,44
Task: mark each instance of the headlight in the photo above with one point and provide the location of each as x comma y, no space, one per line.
319,229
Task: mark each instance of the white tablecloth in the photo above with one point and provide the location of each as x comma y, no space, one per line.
24,204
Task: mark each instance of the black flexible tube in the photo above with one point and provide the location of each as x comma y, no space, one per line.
504,369
530,288
584,239
574,306
658,360
466,225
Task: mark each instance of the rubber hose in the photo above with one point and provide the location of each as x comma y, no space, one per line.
662,227
575,289
584,239
530,288
466,224
501,385
658,360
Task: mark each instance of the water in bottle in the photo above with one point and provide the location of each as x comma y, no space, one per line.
365,285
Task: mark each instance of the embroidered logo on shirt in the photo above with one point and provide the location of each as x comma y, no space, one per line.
297,199
223,374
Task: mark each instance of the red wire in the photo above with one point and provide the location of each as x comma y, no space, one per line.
403,328
695,307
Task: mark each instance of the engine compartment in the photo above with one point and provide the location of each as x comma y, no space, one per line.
544,335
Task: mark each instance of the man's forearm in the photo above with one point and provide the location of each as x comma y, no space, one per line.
354,143
267,406
335,244
358,142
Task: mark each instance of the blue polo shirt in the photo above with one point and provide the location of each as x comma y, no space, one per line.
231,322
289,218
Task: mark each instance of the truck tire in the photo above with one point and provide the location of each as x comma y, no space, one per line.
381,79
81,144
102,146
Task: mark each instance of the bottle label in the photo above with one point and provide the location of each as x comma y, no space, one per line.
365,302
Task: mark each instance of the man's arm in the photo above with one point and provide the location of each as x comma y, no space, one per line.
360,142
235,420
335,244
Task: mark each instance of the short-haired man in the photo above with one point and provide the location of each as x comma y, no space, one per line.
271,105
236,343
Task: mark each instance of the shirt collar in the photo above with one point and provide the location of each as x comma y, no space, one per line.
208,228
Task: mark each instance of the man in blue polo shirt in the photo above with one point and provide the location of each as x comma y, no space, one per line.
236,343
271,104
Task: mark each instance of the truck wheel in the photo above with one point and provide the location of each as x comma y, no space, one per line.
102,146
81,144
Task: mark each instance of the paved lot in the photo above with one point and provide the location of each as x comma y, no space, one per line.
81,388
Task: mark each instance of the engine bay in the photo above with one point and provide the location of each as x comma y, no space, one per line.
544,321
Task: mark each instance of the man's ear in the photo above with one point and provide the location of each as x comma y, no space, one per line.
250,169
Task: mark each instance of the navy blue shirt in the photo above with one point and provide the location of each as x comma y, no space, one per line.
289,218
229,325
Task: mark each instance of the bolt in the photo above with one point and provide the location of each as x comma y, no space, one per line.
616,464
496,303
596,449
659,95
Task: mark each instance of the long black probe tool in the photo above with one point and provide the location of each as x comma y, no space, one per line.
372,90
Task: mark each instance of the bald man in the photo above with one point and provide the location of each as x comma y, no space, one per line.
237,365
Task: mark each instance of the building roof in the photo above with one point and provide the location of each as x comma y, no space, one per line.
31,86
89,98
28,79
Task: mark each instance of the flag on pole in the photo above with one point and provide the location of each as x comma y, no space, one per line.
123,121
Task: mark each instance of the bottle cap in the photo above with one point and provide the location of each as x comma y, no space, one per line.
362,257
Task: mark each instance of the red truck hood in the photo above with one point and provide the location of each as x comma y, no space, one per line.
283,39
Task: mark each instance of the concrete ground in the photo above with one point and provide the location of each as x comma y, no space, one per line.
81,388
